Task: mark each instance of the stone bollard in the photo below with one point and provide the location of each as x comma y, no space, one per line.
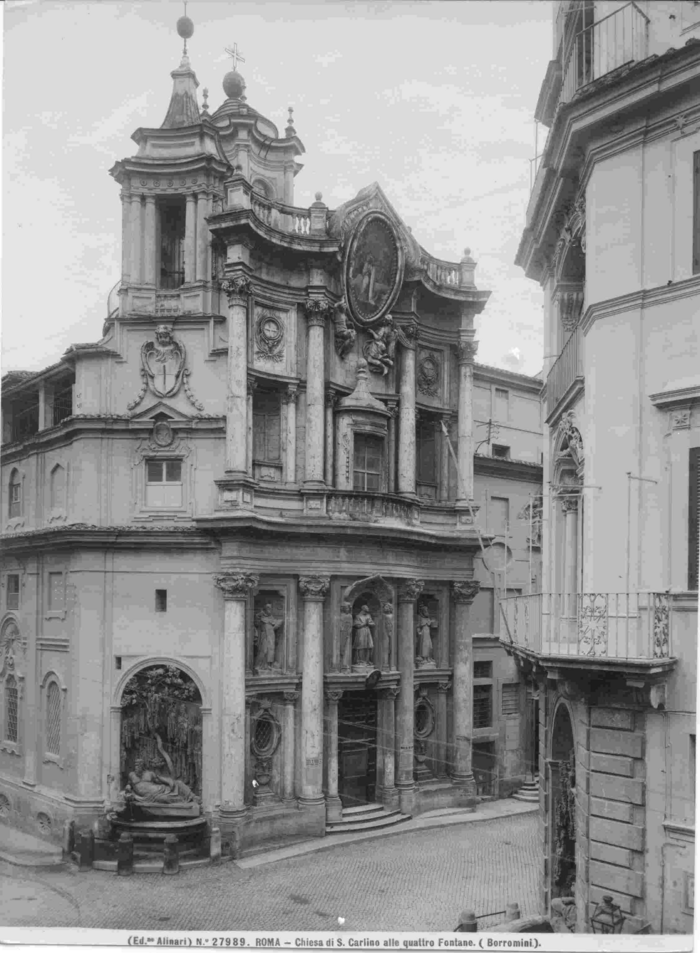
215,845
171,855
512,912
467,922
125,855
68,839
235,844
85,849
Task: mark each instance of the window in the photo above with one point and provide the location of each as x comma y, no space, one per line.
15,493
694,518
426,457
161,600
25,416
483,669
53,719
172,242
266,427
164,483
368,462
58,487
500,514
500,452
696,212
510,699
11,709
500,408
12,592
482,706
57,594
62,404
481,613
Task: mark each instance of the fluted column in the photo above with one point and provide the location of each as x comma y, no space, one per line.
387,747
288,738
237,290
392,407
444,489
569,507
334,807
236,586
136,239
290,398
126,236
202,237
250,391
331,399
149,241
463,595
407,412
408,593
190,236
466,352
441,728
316,311
313,590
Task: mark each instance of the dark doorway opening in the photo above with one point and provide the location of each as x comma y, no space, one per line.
563,805
484,767
357,748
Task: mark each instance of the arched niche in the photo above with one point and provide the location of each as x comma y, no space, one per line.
562,803
378,595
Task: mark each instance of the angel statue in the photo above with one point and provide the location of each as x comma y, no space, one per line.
345,334
380,351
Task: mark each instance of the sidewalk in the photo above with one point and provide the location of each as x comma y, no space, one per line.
441,818
25,850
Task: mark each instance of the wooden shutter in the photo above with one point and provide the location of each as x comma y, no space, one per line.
694,519
696,213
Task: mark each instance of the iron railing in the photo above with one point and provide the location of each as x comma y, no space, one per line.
567,367
615,625
619,38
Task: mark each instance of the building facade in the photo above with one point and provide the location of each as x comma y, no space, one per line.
241,529
610,642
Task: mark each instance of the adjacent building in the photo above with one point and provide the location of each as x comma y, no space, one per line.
609,643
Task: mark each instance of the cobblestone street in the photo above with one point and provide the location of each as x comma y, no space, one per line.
415,881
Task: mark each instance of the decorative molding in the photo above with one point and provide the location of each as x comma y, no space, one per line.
236,288
289,698
236,584
680,419
569,504
269,338
410,589
429,374
570,304
163,369
466,351
314,587
465,592
291,394
333,696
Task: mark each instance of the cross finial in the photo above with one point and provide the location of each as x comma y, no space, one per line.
235,55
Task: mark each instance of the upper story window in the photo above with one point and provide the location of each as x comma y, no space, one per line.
11,710
696,212
62,404
426,453
53,719
15,495
172,242
57,483
266,427
500,451
367,469
500,404
24,416
164,483
483,707
12,591
694,519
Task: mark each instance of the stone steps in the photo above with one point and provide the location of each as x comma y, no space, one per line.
530,791
366,817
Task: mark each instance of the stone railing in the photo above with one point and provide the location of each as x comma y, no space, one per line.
353,505
614,625
285,218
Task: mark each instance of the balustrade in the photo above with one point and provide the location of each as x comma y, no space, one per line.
565,370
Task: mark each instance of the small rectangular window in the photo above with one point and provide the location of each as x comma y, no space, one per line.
500,515
164,483
367,462
483,670
500,410
161,600
500,452
57,596
12,592
482,706
118,662
510,699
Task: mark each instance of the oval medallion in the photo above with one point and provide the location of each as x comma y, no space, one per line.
373,268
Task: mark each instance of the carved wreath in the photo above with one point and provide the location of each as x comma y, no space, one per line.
269,338
429,375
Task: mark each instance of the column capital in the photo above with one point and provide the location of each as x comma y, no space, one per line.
251,384
569,504
290,394
410,589
444,687
408,335
333,696
466,351
236,584
332,398
465,592
290,698
314,588
150,199
317,311
236,288
392,692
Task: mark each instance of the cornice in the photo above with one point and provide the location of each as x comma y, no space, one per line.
509,469
497,374
88,536
222,223
640,300
672,396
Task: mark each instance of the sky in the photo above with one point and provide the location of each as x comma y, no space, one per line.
433,100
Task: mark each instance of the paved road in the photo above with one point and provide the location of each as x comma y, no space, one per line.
415,881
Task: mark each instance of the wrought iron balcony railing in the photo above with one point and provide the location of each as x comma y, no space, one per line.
619,38
565,370
601,625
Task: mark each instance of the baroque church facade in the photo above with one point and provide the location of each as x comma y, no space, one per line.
241,528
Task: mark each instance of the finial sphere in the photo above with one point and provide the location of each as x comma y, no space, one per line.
185,28
234,85
319,196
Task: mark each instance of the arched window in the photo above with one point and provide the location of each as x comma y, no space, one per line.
58,487
15,495
53,719
11,709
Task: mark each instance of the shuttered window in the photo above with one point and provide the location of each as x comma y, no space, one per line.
696,212
694,518
266,427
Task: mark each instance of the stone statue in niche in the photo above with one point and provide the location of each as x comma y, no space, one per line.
388,612
363,623
424,627
379,352
345,636
345,334
266,626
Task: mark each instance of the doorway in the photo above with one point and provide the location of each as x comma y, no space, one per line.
357,748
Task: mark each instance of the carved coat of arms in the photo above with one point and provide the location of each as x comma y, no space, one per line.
163,362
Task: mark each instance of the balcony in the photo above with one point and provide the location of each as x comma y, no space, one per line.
566,374
604,46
